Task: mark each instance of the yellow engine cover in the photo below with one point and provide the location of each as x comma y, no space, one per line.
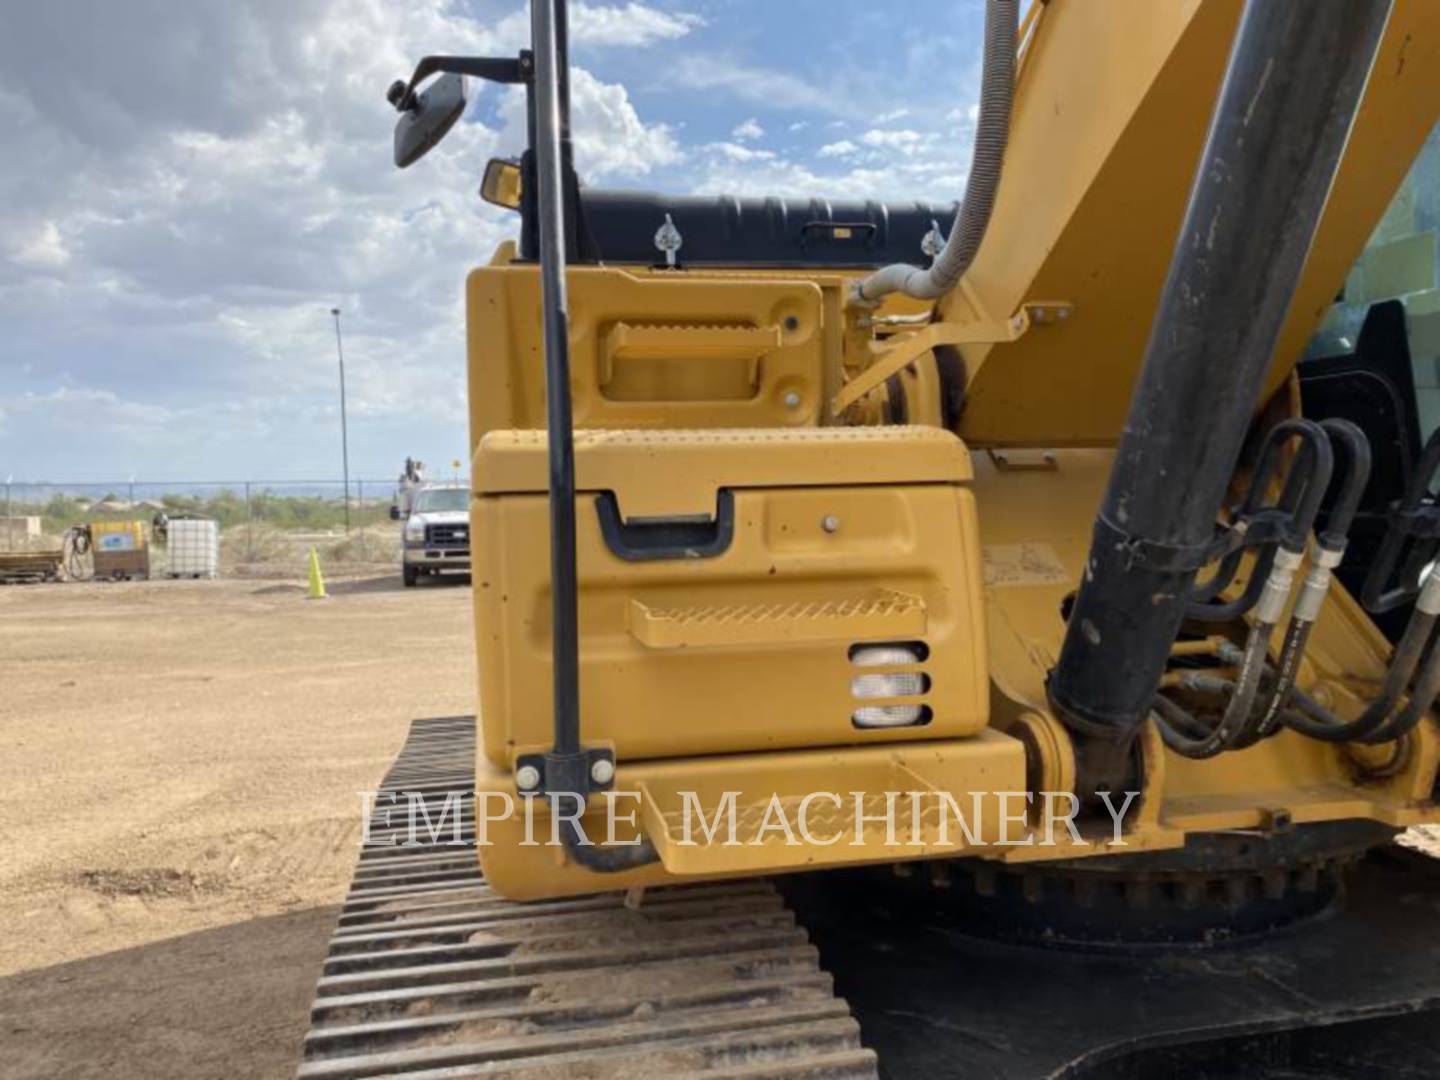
779,552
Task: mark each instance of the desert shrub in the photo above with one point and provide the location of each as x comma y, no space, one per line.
255,543
374,545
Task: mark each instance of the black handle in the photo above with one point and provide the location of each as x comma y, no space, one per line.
653,539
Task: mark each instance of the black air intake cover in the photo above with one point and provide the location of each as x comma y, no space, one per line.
721,230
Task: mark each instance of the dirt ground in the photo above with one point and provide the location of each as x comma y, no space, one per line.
181,763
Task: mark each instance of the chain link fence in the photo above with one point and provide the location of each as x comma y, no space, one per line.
265,525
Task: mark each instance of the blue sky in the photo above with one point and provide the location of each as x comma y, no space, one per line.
190,188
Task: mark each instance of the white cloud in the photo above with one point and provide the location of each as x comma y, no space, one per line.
633,24
636,25
843,148
735,152
891,116
610,138
904,142
903,137
799,125
209,231
763,86
747,129
42,249
72,410
771,174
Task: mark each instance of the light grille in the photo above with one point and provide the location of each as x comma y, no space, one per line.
886,686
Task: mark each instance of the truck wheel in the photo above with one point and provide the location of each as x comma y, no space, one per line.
410,574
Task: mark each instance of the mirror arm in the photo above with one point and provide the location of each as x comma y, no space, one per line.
492,69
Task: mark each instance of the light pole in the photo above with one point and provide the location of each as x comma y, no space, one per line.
344,432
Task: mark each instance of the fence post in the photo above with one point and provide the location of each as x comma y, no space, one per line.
249,526
9,517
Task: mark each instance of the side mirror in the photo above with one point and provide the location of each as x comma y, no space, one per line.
394,513
429,120
501,185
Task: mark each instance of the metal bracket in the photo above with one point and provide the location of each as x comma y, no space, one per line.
891,361
1149,554
1024,460
583,774
520,70
669,241
933,242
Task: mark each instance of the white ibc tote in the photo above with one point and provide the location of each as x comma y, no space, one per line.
194,548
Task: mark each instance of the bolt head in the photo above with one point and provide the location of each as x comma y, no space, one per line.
792,400
527,778
830,523
602,771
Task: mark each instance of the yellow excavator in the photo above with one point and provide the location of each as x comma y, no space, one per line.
992,639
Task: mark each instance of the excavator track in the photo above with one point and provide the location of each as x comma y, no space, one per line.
431,974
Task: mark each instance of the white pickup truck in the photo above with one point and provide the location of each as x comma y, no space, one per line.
437,532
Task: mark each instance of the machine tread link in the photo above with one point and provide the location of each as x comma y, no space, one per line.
431,974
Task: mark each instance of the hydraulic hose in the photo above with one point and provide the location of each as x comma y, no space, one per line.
1299,503
1268,590
1242,724
1297,637
1174,721
1373,594
1422,697
1311,718
1347,504
1329,551
992,132
606,858
1379,722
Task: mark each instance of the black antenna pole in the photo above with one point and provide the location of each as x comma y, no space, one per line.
562,70
548,99
569,769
